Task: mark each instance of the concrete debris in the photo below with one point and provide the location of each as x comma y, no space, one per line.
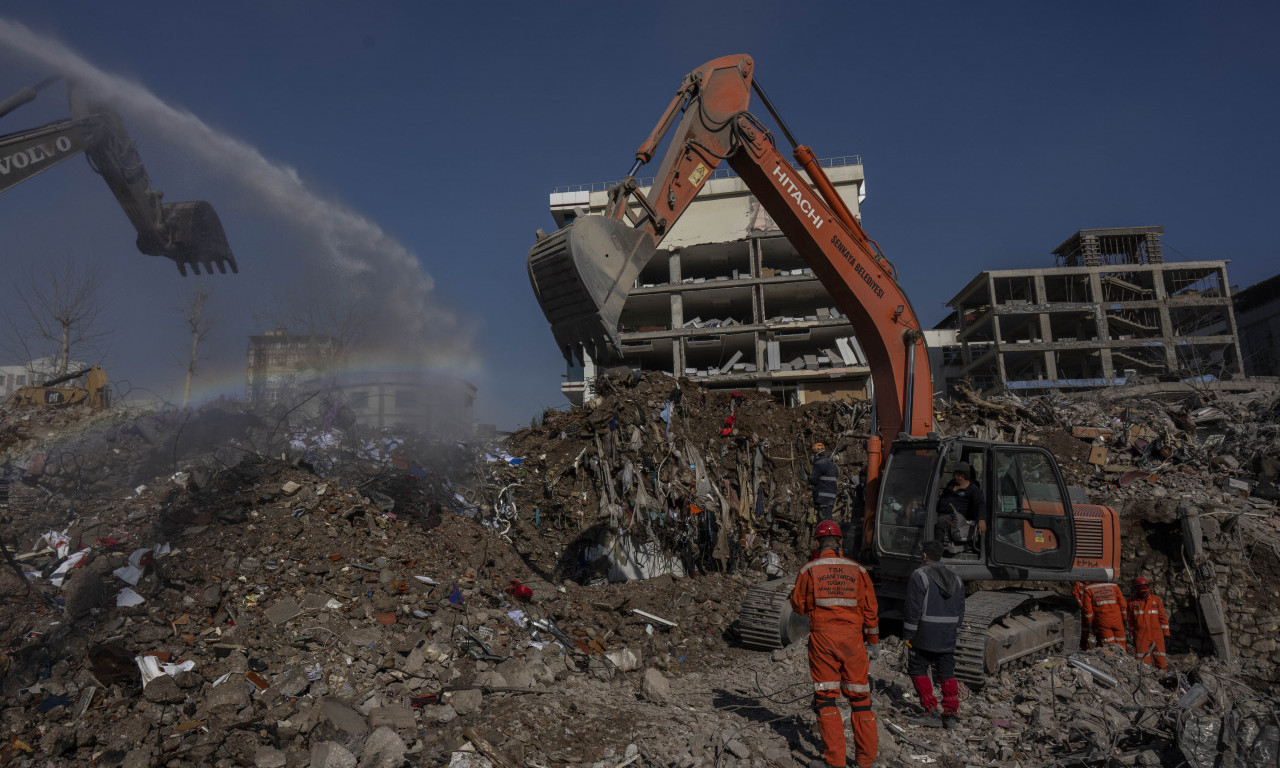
354,603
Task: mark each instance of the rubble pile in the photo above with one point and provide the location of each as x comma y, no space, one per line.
1192,474
662,476
387,601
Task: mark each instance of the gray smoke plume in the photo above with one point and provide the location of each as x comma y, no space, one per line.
368,266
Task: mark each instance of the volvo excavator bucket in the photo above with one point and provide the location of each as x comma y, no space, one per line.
195,237
581,276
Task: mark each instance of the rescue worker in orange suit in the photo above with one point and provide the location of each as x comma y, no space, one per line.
1150,625
1077,591
844,630
930,624
1104,609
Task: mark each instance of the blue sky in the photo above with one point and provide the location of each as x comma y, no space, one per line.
990,132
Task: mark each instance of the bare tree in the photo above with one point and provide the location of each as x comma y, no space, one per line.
63,304
193,311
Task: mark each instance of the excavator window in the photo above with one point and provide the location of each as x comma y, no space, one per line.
1030,520
904,506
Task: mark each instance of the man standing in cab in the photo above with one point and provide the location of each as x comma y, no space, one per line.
1150,625
844,630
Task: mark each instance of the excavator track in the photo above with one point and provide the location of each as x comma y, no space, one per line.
767,621
995,632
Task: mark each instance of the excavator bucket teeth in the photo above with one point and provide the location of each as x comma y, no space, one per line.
194,238
581,276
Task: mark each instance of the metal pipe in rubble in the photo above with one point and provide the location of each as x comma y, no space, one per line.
1099,675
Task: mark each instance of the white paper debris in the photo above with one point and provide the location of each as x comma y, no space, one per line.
128,598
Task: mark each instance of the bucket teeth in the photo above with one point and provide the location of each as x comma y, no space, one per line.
581,276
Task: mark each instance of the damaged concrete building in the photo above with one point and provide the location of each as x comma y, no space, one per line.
1258,318
279,361
285,366
728,301
1110,311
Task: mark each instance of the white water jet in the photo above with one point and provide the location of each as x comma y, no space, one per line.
370,263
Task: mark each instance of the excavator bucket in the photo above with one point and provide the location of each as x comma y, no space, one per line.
193,237
582,275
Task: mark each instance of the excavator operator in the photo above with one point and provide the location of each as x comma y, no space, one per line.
962,508
844,630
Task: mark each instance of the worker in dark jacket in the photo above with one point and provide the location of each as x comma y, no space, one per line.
935,608
823,482
963,499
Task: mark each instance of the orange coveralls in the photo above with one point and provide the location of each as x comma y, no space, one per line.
1077,591
836,594
1150,625
1104,609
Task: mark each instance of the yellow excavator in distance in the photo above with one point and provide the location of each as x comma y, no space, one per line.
94,391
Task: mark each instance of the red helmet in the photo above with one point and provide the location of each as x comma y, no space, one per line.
828,528
1140,581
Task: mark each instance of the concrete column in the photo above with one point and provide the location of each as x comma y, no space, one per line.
1046,329
1167,339
997,342
1100,323
677,314
1231,321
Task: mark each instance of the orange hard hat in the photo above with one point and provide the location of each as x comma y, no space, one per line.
819,447
828,528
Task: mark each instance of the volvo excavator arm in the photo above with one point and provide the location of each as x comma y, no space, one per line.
189,233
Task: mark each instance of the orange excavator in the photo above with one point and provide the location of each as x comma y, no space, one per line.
1038,529
189,233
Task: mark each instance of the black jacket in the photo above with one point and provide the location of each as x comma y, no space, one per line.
823,481
935,608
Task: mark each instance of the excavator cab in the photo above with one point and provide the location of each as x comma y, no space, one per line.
1030,527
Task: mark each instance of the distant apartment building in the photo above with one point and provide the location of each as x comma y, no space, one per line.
437,405
1258,318
729,302
946,355
280,362
284,366
1110,310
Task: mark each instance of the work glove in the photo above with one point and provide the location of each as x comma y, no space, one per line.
873,652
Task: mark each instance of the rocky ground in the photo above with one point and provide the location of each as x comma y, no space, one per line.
300,594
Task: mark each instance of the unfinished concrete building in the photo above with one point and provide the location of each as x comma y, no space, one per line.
1258,316
728,301
1111,310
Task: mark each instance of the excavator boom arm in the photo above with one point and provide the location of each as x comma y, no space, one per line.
189,233
716,126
